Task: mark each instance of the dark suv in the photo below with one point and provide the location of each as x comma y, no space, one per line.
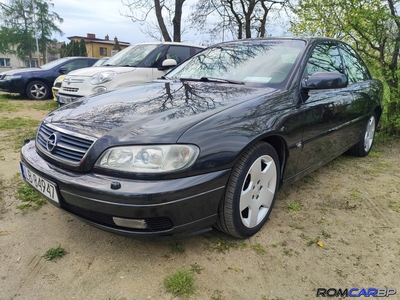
36,83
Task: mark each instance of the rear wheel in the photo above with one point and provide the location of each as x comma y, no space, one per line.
251,192
37,90
363,147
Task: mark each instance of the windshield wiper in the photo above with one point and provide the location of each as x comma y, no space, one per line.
213,79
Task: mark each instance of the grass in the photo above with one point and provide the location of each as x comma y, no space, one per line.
218,242
177,247
293,206
180,283
17,123
48,105
217,295
5,97
196,268
314,241
31,199
18,129
7,105
394,205
55,253
259,248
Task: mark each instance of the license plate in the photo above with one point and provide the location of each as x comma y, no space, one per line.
45,187
64,99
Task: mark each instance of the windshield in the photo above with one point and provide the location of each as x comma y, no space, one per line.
131,56
54,63
101,61
260,62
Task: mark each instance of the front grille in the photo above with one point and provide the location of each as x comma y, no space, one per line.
63,145
70,89
153,224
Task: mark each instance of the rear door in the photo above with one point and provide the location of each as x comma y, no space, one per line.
360,84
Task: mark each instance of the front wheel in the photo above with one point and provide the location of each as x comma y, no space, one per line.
251,192
363,147
37,90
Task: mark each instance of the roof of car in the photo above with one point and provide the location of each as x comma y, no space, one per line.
171,43
303,38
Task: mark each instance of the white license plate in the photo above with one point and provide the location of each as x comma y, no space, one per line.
64,99
44,186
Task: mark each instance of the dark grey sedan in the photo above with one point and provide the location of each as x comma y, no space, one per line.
209,144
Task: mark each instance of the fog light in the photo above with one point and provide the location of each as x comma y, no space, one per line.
99,89
131,223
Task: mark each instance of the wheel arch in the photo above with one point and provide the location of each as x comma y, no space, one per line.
378,113
279,145
45,81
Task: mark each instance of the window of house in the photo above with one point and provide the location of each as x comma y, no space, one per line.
103,51
4,62
31,64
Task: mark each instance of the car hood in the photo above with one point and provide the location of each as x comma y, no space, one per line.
89,72
153,112
20,71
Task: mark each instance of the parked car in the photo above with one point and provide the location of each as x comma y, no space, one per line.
37,82
210,143
136,64
59,79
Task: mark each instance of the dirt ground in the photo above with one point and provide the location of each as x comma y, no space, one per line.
350,206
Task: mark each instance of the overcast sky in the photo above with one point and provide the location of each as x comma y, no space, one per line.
101,18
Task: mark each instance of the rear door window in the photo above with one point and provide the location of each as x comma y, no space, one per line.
355,67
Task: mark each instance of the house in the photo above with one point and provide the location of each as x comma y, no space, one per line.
96,47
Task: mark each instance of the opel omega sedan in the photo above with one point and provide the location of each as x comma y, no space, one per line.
210,143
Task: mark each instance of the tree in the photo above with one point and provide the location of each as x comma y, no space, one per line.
21,21
82,48
373,28
116,45
46,25
17,21
167,13
241,18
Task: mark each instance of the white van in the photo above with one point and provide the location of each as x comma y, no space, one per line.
135,64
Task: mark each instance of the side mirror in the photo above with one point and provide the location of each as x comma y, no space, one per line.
168,64
63,70
325,80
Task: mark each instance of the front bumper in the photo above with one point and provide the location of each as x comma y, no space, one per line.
170,208
12,86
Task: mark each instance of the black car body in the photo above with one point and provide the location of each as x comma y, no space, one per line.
36,83
211,143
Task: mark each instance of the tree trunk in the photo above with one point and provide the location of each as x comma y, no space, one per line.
177,20
160,21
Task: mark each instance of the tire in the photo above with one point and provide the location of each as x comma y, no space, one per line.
251,192
363,147
37,90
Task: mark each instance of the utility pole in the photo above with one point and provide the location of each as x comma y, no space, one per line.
35,27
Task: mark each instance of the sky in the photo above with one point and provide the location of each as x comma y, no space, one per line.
102,18
99,17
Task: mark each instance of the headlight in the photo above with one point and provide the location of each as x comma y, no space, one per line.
102,77
149,159
9,77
